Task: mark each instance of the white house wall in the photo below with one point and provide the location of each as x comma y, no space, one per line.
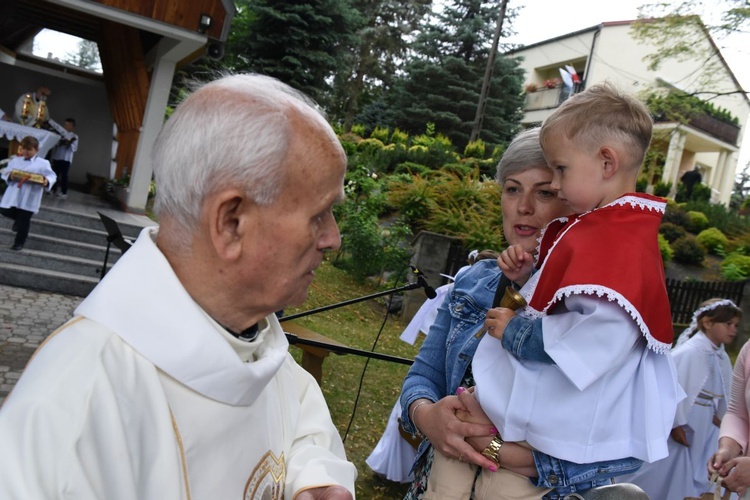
619,59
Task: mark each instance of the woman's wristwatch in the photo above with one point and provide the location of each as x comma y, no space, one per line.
493,449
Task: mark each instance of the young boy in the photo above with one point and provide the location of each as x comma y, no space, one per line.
62,153
24,192
583,373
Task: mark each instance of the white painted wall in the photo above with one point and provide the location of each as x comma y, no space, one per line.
611,54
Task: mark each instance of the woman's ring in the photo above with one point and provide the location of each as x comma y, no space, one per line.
461,457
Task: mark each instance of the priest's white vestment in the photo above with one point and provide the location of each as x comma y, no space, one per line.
143,396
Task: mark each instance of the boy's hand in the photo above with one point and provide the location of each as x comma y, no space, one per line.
516,263
496,321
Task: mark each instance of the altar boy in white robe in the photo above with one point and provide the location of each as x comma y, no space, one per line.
173,380
583,372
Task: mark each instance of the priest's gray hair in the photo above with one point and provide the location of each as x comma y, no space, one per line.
232,132
524,152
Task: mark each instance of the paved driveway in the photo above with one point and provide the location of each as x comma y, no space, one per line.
26,318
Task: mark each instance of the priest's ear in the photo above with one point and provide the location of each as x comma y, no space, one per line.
226,212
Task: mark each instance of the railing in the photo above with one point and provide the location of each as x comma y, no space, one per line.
550,98
717,128
686,296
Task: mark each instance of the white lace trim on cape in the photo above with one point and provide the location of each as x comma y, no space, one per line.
598,290
611,295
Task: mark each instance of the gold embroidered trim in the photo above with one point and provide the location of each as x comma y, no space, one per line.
182,453
267,479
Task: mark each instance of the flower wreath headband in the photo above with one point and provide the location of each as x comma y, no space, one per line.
685,335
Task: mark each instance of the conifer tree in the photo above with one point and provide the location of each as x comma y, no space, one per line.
443,80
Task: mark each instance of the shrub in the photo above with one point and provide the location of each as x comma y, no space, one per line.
460,169
671,232
736,265
413,197
358,129
411,168
641,184
688,250
728,221
399,137
666,251
701,192
380,134
370,145
368,249
676,215
350,148
475,149
733,272
698,221
460,206
713,239
662,188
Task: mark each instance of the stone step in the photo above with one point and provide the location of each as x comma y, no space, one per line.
42,279
70,248
67,244
87,221
54,262
60,231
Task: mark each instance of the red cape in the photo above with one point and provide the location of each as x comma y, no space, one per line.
612,252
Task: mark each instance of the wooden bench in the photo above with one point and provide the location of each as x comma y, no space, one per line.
312,356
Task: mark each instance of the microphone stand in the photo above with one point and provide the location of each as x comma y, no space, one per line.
294,339
409,286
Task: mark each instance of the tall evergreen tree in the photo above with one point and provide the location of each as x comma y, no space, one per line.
303,44
86,56
383,42
443,81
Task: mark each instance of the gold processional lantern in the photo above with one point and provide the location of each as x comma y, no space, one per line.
28,106
41,113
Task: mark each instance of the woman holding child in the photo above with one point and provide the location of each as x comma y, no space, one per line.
442,365
583,373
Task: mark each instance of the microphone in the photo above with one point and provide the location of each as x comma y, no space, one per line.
421,281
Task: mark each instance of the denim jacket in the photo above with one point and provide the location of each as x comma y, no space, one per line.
445,355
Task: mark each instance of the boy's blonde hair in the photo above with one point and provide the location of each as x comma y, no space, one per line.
603,115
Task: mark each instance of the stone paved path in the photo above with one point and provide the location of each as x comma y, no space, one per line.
26,318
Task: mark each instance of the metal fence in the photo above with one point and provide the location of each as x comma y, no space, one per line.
685,296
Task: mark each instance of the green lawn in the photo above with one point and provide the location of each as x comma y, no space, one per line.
357,326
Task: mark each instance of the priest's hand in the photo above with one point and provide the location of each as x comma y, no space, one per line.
335,492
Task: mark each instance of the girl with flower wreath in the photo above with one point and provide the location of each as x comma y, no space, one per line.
705,373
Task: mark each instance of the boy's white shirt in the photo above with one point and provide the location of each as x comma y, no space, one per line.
606,397
29,195
67,151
